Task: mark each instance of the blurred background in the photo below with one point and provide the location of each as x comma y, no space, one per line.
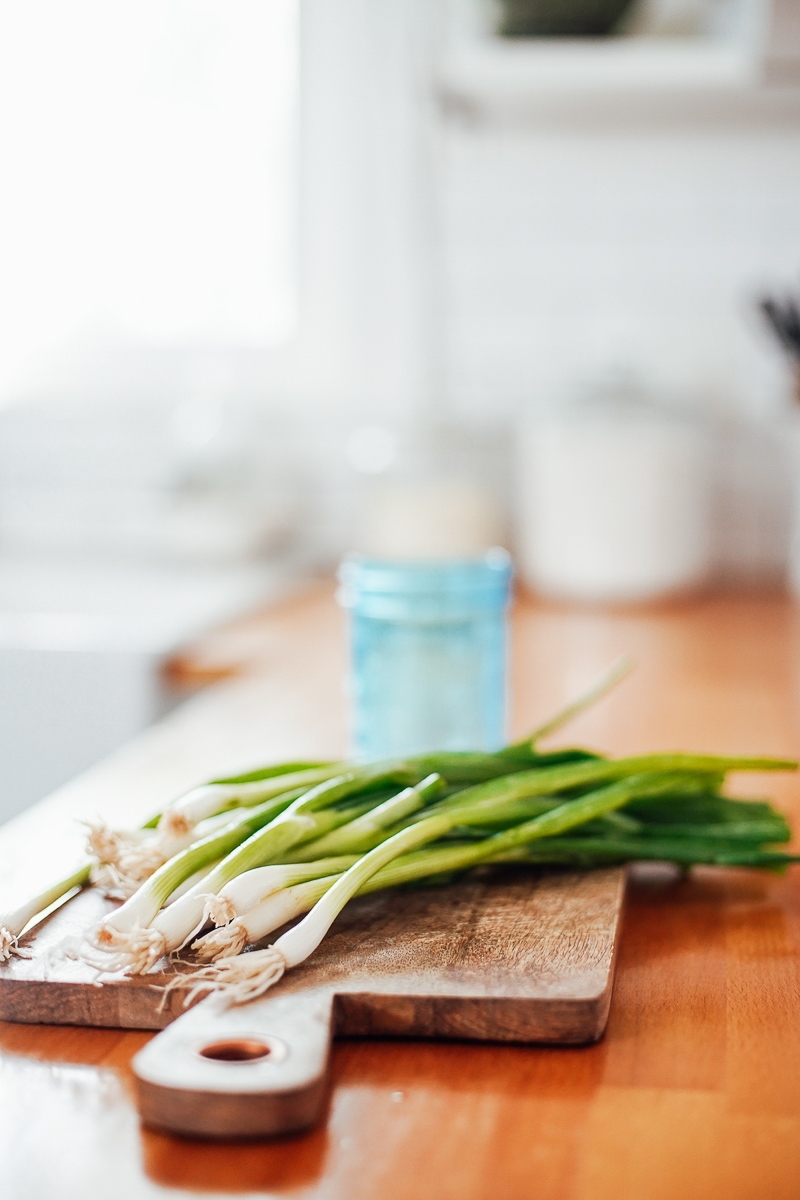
284,279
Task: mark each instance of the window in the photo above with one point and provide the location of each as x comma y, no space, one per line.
147,186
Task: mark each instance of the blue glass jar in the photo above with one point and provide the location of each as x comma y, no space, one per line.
428,653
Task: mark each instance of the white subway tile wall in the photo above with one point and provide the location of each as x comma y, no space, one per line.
577,251
570,252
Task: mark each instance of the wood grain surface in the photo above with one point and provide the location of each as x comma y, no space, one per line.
513,956
695,1090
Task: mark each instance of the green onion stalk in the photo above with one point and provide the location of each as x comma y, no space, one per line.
13,923
244,976
618,671
253,924
138,935
221,795
575,775
188,810
255,887
134,937
126,858
699,775
123,862
682,852
170,831
249,885
143,906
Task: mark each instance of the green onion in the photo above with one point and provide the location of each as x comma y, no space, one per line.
368,830
13,923
212,798
140,909
608,680
243,979
570,850
252,887
581,774
284,768
137,935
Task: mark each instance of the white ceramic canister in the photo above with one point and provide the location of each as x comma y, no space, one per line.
613,503
791,441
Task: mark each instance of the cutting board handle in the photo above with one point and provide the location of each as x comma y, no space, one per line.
238,1072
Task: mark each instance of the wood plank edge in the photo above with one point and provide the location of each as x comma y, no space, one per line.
193,1113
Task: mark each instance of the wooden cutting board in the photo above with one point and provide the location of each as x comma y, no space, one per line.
514,957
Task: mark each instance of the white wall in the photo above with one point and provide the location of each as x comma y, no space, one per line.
573,251
617,225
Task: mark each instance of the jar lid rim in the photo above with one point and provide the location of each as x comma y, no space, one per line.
488,576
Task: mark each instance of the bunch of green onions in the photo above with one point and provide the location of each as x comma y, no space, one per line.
253,853
584,813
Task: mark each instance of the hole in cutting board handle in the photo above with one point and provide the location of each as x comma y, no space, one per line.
237,1050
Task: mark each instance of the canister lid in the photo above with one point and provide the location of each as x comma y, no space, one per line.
424,590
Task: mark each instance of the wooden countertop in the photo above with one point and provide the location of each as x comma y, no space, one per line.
693,1094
